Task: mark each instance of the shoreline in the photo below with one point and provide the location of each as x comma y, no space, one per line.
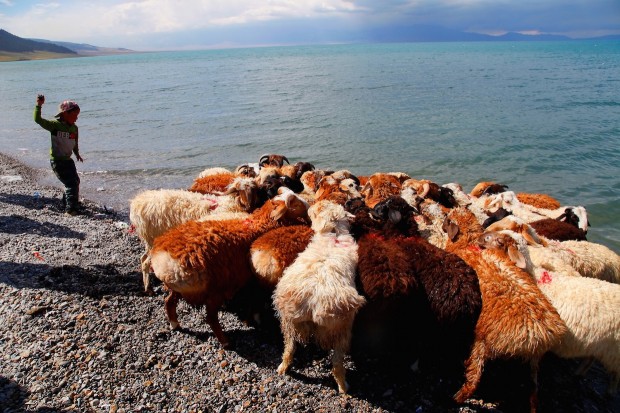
83,336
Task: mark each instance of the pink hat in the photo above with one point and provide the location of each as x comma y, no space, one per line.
66,106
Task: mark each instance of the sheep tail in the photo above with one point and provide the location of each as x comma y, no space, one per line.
473,372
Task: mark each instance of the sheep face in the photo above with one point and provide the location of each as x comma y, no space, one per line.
246,192
505,243
395,209
246,170
273,160
327,216
289,207
380,186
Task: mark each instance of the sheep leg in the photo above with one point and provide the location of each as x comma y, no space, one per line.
339,371
170,304
214,322
145,264
534,395
287,355
473,372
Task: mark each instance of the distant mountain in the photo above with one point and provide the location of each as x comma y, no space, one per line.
518,37
87,49
14,44
424,33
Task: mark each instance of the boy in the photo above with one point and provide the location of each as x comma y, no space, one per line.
64,133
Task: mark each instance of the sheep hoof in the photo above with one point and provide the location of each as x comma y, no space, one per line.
174,325
282,369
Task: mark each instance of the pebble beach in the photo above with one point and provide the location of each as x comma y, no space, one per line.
77,333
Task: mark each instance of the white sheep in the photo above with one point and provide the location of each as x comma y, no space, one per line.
316,295
574,258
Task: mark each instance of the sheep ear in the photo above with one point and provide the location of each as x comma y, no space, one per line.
368,188
531,239
279,211
297,206
425,188
230,190
450,228
515,255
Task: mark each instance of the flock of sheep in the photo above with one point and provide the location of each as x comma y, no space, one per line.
343,260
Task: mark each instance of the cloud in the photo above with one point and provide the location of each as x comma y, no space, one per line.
136,23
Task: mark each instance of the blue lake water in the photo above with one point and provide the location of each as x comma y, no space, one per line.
536,116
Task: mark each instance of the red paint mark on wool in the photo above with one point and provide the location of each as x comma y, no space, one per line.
37,255
213,202
132,229
375,236
474,248
545,279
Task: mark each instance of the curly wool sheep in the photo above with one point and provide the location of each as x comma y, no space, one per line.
204,262
316,296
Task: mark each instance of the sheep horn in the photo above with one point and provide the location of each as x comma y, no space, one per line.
263,159
284,158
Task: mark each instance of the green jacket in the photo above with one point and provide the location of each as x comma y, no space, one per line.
64,136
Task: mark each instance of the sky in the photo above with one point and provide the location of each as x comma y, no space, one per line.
196,24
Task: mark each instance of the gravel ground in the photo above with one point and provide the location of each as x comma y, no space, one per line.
78,334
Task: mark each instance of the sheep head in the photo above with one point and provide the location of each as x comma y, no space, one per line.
266,172
397,214
272,160
487,188
301,168
246,170
576,216
380,186
514,224
504,243
246,192
289,206
462,226
327,216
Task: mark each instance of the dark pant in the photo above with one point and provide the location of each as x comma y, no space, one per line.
66,172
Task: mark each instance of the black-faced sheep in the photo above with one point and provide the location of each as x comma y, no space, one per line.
399,270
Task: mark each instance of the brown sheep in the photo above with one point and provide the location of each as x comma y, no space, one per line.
275,250
558,230
517,320
379,187
212,184
543,201
203,262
